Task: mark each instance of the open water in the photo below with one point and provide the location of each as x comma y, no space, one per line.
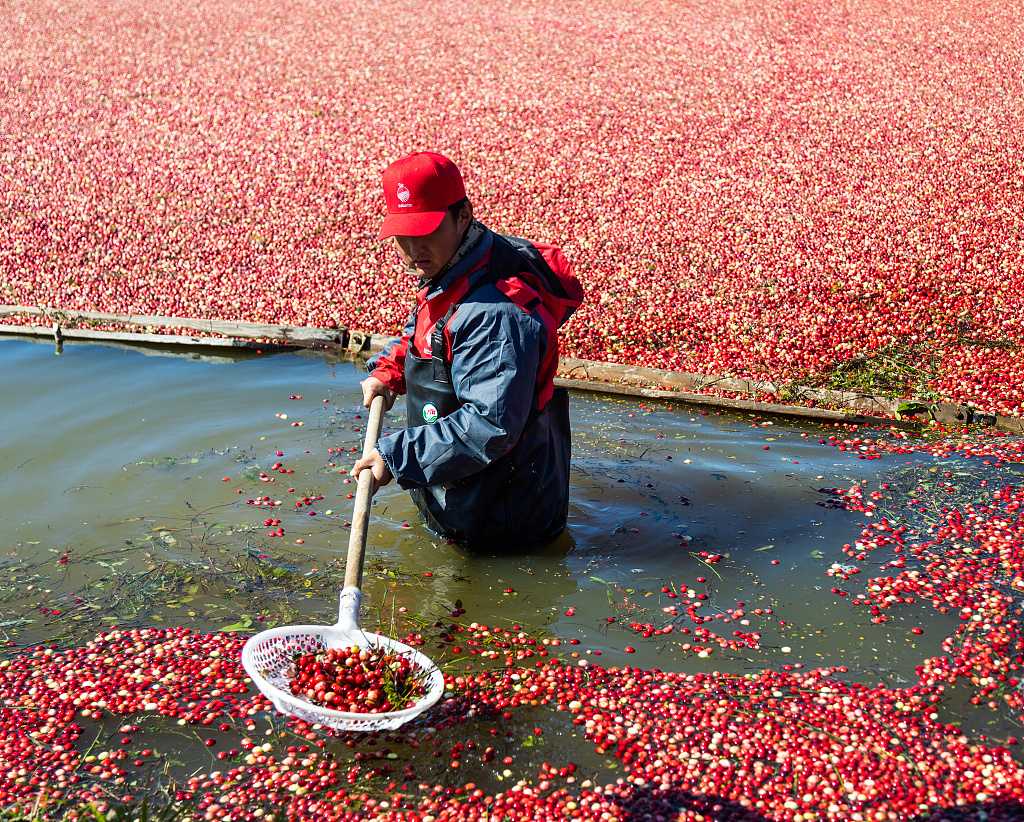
115,460
105,449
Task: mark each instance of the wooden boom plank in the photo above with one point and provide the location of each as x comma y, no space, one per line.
147,339
614,378
285,333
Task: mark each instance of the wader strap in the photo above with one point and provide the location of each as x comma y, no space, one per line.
439,348
438,353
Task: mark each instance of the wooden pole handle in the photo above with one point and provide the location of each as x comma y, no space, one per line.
364,499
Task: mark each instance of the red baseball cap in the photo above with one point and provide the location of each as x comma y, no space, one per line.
418,190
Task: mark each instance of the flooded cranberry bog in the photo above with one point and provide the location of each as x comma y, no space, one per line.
747,618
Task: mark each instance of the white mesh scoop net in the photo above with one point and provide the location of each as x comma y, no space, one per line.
269,657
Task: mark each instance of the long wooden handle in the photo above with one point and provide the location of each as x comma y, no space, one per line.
364,499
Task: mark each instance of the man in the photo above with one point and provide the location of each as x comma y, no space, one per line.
486,450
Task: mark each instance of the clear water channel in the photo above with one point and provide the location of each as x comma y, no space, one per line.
115,460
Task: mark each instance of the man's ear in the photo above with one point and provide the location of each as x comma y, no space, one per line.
466,215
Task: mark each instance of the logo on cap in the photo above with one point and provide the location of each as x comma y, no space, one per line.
404,194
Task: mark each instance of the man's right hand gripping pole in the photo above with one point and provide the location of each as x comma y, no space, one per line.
372,387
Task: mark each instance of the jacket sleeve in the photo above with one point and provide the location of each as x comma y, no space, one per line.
389,365
496,353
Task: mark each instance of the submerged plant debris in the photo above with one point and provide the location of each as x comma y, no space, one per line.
659,661
531,727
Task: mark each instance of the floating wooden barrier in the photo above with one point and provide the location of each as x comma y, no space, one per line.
583,375
822,414
60,335
682,381
298,335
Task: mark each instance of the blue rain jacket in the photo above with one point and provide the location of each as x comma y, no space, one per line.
486,450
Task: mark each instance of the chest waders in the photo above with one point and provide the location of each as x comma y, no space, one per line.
522,496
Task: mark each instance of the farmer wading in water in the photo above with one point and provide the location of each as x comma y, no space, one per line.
486,451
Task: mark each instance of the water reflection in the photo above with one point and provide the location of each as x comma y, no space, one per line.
102,448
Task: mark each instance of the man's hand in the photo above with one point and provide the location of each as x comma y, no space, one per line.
372,387
381,474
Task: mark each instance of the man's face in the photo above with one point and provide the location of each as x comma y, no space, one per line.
427,255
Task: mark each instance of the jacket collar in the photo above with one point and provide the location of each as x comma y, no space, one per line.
476,246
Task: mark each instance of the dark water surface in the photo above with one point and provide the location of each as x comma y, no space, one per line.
119,457
100,446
